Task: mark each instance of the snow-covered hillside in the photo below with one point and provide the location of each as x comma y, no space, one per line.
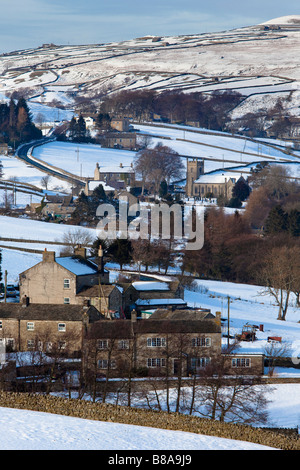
29,430
259,61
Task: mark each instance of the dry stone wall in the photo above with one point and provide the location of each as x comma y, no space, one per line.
140,417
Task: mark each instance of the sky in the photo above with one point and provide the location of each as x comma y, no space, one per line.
31,23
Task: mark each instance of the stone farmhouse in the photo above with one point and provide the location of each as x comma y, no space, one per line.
120,140
58,207
66,280
175,342
46,327
115,177
120,124
68,305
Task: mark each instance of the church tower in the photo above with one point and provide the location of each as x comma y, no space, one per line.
194,168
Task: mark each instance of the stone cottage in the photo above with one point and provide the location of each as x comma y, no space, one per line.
67,280
44,327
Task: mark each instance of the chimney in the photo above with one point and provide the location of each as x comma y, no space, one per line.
218,318
80,251
48,256
133,316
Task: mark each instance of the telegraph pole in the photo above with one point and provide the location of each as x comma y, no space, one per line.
228,316
5,285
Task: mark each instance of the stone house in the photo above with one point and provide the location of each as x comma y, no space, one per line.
121,124
170,342
158,344
106,298
91,185
58,207
145,295
120,140
112,176
60,280
45,327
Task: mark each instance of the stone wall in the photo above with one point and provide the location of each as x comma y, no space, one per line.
140,417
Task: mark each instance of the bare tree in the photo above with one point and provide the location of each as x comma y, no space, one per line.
280,276
238,399
45,180
75,237
274,352
157,164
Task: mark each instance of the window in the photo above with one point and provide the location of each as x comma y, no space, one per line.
156,362
241,362
201,341
123,344
30,326
30,344
156,342
66,283
102,344
61,327
66,300
103,364
199,362
1,325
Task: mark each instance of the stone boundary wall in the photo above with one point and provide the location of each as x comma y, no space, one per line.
141,417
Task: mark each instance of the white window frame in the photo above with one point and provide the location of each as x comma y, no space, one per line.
66,283
156,342
123,344
30,326
242,362
154,362
102,344
66,300
61,327
103,364
30,344
201,342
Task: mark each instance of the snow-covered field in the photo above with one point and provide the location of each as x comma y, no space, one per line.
221,151
252,60
29,430
15,261
81,159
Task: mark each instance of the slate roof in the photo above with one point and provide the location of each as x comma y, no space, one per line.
96,291
77,266
54,312
126,329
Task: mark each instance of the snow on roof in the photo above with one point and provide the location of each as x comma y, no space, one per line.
215,178
94,184
150,285
77,266
160,302
116,169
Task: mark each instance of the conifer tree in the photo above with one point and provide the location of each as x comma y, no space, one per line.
277,220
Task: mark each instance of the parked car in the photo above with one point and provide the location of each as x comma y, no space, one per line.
11,291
